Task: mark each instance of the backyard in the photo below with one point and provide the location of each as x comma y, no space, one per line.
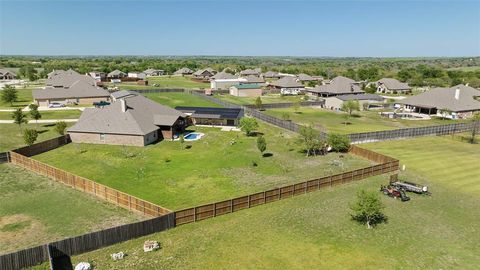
163,82
11,135
57,114
223,164
36,210
364,121
174,99
24,97
272,98
315,230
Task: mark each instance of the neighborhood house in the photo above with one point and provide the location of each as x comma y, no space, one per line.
246,90
287,86
364,100
212,116
7,74
183,71
392,86
130,120
337,86
80,92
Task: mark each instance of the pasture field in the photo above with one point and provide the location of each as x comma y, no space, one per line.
314,231
364,121
58,114
266,99
179,99
11,135
221,165
36,210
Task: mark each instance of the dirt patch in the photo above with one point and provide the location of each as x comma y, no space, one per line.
18,231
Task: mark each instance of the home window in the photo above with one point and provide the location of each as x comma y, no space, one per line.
102,137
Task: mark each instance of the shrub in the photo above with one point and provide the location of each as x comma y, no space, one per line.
338,142
368,209
30,136
248,124
60,127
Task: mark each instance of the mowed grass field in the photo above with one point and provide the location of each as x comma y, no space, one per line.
180,99
35,210
221,165
58,114
11,135
314,231
24,98
364,121
273,98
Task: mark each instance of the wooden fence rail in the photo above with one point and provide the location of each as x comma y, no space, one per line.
108,194
211,210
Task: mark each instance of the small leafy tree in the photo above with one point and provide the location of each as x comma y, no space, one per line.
476,127
182,141
261,144
258,103
19,118
445,112
350,106
310,140
248,124
60,127
34,113
9,94
368,209
296,106
338,142
30,136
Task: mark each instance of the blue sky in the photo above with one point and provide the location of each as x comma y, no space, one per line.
269,28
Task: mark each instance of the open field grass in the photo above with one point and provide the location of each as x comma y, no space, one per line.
364,121
273,98
24,98
314,231
59,114
36,210
180,99
11,136
163,82
217,167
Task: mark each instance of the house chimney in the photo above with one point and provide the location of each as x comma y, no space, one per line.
123,104
457,93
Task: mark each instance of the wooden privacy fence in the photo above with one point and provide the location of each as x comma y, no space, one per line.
4,157
44,146
211,210
111,195
412,132
85,243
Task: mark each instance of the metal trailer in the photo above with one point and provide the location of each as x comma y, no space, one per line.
411,187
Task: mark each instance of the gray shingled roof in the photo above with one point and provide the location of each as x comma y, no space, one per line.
271,74
184,70
204,72
249,72
444,98
141,117
79,89
254,79
360,97
6,71
122,94
287,82
223,76
339,86
116,72
394,84
305,77
61,78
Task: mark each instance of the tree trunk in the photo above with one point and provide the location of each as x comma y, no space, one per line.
368,224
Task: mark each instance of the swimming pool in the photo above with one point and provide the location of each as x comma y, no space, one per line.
193,136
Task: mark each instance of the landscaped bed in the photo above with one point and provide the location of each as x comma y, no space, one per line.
35,210
364,121
316,231
219,166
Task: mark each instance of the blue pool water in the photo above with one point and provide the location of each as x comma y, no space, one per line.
192,136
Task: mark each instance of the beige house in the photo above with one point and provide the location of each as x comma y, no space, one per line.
80,92
392,86
183,71
365,100
6,74
337,86
246,90
130,120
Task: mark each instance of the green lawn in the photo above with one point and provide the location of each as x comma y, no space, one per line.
11,135
36,210
314,231
164,82
217,167
364,121
59,114
180,99
273,98
24,98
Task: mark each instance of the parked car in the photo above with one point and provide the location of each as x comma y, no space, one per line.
56,105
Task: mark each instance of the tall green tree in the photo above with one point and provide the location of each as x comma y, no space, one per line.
19,118
30,136
34,113
60,127
338,142
258,103
350,106
9,94
368,209
261,144
310,140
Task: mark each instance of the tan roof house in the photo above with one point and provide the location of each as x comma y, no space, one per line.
254,72
132,120
116,74
204,74
254,79
271,75
392,86
6,74
337,86
183,71
364,100
246,90
79,92
287,86
302,77
64,79
461,101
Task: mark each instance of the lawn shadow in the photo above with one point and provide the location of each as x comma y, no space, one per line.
42,131
256,134
356,115
267,155
346,123
48,125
